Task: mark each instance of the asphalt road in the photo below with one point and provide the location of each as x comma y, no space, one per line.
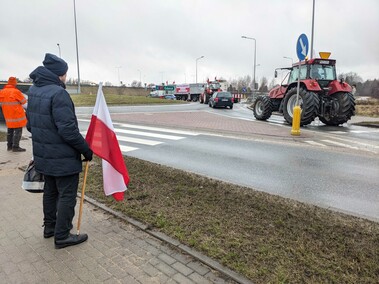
343,177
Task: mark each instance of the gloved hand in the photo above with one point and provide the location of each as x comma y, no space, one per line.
88,155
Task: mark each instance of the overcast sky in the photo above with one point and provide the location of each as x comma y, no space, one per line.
160,40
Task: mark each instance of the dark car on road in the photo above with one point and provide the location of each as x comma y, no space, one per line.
221,99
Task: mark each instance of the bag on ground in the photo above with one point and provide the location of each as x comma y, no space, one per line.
33,181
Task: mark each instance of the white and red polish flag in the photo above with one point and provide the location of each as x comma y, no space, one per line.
103,142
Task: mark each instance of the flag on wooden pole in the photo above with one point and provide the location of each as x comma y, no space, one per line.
103,142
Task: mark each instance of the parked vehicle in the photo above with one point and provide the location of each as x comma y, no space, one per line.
189,92
320,94
170,97
157,94
221,99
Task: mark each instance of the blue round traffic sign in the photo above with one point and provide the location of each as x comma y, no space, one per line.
302,47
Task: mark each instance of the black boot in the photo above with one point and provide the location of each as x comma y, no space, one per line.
48,231
18,149
10,139
17,134
71,240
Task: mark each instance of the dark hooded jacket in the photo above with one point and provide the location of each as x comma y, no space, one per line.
57,142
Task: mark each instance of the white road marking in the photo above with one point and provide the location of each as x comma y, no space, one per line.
361,146
337,132
354,131
340,144
314,143
138,140
125,149
356,142
148,134
157,129
364,131
123,137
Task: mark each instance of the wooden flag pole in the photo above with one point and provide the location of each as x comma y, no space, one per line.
82,197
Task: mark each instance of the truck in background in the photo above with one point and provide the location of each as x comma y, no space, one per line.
189,92
192,91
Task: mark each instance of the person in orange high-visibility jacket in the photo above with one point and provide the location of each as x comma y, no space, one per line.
12,102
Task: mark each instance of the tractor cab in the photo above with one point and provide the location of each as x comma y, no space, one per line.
316,69
214,86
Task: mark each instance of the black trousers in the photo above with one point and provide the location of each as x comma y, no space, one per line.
14,137
59,200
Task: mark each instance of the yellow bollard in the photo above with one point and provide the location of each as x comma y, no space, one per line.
296,121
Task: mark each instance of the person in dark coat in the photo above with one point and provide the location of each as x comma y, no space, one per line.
57,148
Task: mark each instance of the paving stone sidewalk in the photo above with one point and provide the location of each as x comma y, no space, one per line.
116,252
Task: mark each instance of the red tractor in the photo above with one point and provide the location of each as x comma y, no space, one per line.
320,94
210,88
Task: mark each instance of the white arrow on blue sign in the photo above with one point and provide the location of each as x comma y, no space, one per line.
302,47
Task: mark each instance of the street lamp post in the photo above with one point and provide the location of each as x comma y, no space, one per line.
118,72
77,52
162,76
196,64
139,76
290,58
59,49
255,57
313,25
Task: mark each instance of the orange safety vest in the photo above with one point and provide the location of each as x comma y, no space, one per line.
11,101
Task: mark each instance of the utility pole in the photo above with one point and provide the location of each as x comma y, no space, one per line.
59,49
255,58
77,52
313,27
118,72
196,65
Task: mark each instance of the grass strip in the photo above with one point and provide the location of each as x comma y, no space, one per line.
113,99
266,238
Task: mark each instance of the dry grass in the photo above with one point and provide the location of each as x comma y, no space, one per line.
368,107
114,99
264,237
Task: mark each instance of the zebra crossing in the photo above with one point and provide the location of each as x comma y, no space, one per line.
344,143
132,137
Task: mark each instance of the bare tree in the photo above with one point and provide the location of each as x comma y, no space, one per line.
351,78
263,87
369,88
272,84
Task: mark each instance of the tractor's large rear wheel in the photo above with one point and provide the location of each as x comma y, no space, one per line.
262,108
341,110
308,102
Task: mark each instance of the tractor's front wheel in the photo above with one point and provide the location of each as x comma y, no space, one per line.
341,110
308,102
206,98
262,108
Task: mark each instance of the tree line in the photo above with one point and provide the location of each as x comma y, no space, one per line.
368,88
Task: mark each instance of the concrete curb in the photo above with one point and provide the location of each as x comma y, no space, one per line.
195,254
